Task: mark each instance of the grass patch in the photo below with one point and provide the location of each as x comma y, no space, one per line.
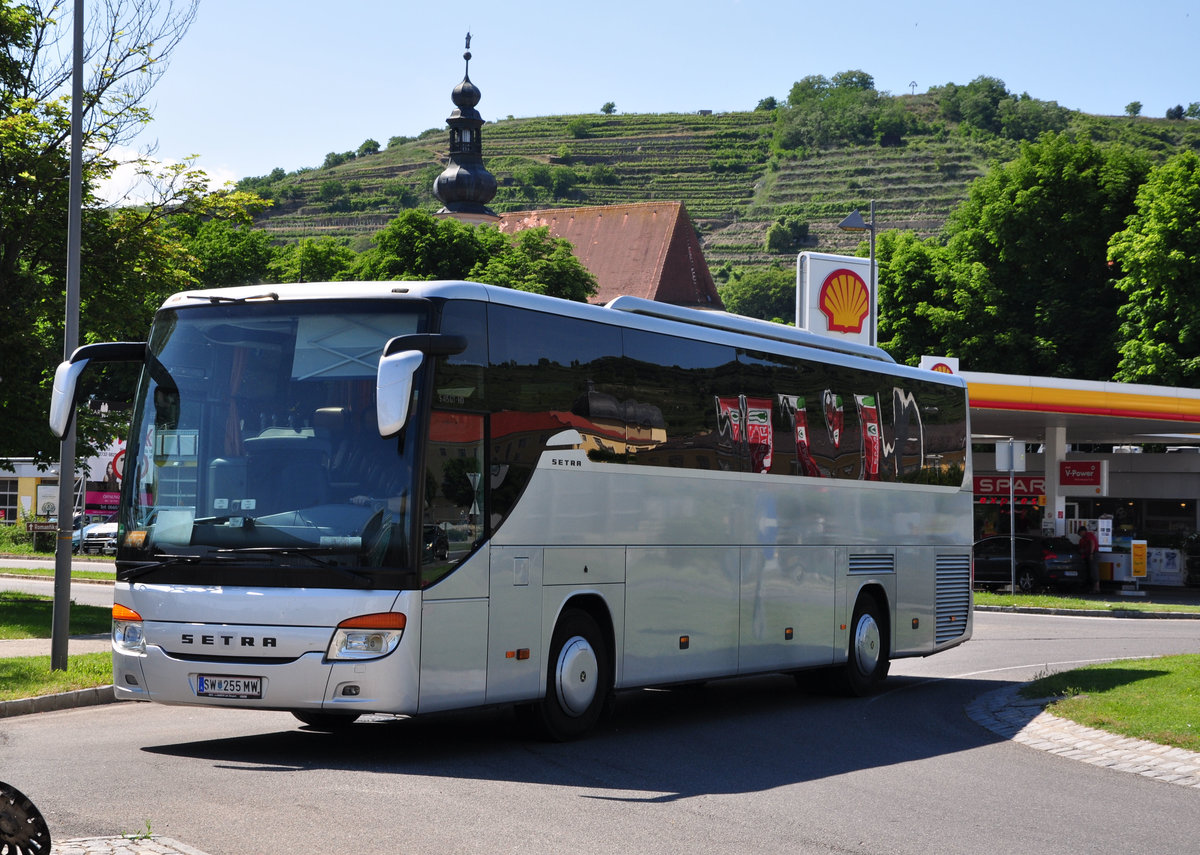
1153,699
30,616
48,572
1098,602
31,677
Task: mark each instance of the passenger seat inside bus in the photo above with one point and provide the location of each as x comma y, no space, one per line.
333,425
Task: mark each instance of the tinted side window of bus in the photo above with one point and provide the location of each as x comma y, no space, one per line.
459,378
548,374
689,387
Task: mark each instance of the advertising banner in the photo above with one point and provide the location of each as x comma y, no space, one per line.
1083,477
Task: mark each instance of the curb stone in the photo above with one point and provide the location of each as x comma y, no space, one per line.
1026,721
1115,613
90,697
153,845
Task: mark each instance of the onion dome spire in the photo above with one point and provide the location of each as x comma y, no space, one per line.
465,186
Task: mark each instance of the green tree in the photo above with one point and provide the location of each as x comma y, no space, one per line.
1025,277
229,254
368,148
534,261
324,259
125,257
609,108
766,293
1158,258
330,190
417,245
822,112
913,306
1133,109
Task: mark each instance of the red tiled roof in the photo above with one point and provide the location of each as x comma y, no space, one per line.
647,250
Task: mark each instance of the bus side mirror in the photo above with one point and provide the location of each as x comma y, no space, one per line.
66,376
62,399
393,389
402,356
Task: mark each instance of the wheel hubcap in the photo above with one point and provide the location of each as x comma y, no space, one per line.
867,647
575,676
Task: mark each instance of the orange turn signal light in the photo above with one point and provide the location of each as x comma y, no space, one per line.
380,620
120,612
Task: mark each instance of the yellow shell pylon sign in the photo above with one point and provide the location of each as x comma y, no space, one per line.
845,301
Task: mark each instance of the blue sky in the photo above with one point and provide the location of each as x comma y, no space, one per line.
263,83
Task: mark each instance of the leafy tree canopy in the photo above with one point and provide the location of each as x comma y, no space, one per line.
417,245
1158,256
1018,280
132,257
768,293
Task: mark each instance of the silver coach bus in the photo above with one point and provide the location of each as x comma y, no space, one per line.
384,497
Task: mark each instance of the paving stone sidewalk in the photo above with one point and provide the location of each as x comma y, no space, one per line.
1025,720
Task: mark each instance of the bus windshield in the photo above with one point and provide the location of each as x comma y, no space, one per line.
254,454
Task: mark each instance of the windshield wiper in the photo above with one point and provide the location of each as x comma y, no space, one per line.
221,298
312,553
169,560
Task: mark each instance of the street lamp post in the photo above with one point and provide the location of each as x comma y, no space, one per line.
855,223
60,618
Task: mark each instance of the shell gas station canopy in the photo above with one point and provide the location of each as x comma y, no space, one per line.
1061,416
1091,413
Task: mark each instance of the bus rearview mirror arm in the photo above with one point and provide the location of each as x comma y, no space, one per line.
66,376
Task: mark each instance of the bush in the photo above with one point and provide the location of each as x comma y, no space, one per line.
14,539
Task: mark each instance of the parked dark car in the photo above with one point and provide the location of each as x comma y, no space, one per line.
1042,562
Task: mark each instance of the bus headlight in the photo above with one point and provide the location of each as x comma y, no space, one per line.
128,633
367,636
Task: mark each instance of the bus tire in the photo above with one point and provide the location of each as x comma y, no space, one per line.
578,679
328,722
867,664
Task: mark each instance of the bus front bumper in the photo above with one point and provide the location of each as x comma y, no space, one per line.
309,682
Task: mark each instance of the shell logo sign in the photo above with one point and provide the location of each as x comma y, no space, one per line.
940,364
833,297
845,301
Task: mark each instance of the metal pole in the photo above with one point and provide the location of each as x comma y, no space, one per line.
61,620
874,282
1012,512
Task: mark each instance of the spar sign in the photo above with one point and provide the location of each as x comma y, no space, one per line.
833,296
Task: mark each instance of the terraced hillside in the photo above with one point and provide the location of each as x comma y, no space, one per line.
720,166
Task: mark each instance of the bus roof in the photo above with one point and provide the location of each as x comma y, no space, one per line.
447,289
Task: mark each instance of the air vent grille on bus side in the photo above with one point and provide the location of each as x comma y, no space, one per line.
953,596
873,563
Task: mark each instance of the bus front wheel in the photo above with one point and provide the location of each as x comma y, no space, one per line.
578,678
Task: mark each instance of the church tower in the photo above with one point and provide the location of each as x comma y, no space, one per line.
465,186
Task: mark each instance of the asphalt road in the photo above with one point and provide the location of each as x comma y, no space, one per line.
740,766
82,593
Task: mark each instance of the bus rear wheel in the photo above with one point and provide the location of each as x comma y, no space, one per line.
867,664
578,679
